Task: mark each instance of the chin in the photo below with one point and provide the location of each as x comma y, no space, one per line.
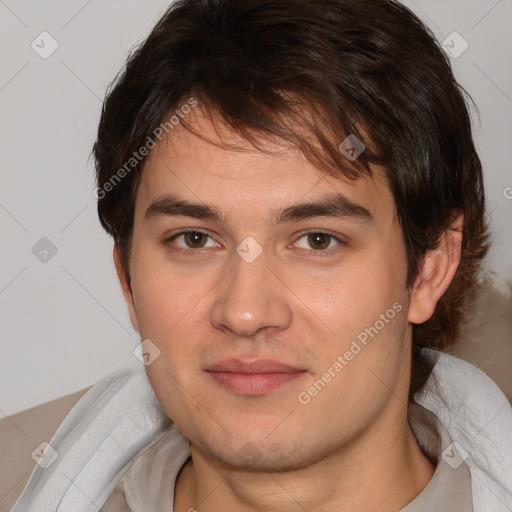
259,455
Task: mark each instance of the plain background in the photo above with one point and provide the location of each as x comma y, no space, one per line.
63,321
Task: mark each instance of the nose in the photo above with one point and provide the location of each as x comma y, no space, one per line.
251,298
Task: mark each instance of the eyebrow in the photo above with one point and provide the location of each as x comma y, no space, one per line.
333,206
171,206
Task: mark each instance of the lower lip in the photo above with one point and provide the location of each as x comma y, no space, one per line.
254,383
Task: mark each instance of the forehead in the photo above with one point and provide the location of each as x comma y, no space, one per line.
212,163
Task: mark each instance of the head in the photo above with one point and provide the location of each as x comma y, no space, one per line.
228,121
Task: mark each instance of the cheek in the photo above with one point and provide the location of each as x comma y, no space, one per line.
362,365
163,297
365,312
172,306
172,314
352,297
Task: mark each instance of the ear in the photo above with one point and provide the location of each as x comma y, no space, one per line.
436,273
125,285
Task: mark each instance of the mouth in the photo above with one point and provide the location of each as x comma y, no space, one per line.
253,377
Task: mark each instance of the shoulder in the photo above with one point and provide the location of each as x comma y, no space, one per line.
21,434
108,426
478,417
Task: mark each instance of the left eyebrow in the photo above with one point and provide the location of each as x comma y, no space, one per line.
335,206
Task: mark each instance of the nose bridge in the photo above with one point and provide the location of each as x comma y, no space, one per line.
250,298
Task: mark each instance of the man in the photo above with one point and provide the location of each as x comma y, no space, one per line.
298,216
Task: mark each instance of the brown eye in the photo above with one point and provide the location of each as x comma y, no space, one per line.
319,241
195,239
189,242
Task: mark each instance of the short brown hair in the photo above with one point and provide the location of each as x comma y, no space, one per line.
336,67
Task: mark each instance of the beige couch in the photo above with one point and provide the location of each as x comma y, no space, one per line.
486,341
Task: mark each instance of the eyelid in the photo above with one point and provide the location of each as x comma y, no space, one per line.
337,237
179,232
168,238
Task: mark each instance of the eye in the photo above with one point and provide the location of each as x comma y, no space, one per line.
317,241
193,240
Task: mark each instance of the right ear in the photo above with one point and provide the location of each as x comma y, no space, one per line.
125,285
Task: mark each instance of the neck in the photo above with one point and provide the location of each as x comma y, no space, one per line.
383,469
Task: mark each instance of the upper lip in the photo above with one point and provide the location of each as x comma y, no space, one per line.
257,366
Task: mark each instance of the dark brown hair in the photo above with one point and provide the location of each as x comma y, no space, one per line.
271,68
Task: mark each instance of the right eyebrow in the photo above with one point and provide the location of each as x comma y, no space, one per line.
172,206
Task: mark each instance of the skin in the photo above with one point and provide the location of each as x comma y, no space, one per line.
349,448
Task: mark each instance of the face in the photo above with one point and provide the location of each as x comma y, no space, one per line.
276,296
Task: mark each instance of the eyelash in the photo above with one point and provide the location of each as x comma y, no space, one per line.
326,252
168,241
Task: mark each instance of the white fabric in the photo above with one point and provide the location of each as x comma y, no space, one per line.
478,417
119,417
